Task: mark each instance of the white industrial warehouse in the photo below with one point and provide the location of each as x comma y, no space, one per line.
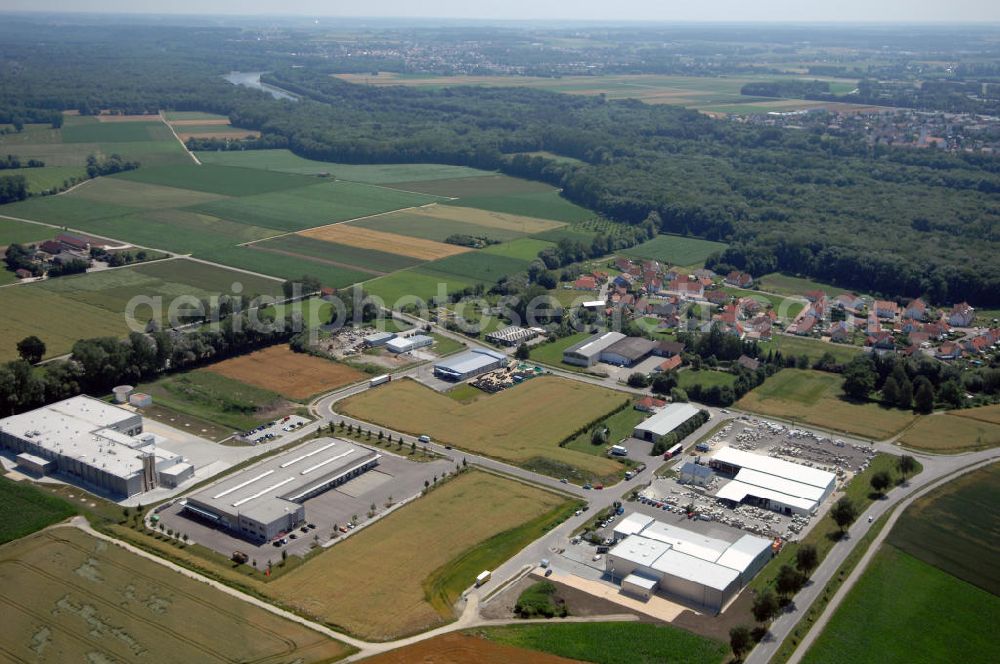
659,425
469,364
704,571
94,443
265,500
587,353
775,484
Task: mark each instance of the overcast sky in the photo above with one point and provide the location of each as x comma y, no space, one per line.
908,11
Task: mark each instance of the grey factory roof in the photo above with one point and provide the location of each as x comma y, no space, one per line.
668,419
470,360
594,345
269,489
632,348
80,428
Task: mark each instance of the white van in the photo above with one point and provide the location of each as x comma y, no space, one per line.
424,439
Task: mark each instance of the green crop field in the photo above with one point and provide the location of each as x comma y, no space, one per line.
181,231
287,162
814,397
572,232
285,266
812,348
416,283
116,132
221,400
222,180
954,528
491,185
904,610
174,116
48,178
675,249
62,310
69,597
142,195
64,210
25,509
525,249
476,265
19,232
612,643
315,205
356,258
387,581
522,425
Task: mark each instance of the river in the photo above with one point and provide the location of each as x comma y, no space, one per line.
251,79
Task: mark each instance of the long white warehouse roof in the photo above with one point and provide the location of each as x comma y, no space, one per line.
777,467
668,419
737,491
780,484
695,569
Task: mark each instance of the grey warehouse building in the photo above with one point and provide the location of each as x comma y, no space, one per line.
469,364
659,425
587,353
94,443
704,571
265,500
626,352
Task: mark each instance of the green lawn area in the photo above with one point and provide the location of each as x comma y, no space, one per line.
786,284
525,248
675,249
25,509
551,353
707,378
813,348
287,162
446,345
218,399
620,425
904,610
611,643
954,528
950,433
814,397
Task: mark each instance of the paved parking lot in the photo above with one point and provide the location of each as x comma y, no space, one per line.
395,479
274,430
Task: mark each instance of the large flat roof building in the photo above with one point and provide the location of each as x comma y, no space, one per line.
655,427
587,353
265,500
783,486
95,443
626,352
700,570
469,364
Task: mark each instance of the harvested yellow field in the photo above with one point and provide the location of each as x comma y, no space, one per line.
952,432
292,375
372,584
989,414
355,236
487,218
522,425
69,597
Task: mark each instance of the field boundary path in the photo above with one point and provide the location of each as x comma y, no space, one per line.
873,548
183,145
937,469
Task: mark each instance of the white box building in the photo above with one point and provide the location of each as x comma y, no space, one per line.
95,443
782,486
652,556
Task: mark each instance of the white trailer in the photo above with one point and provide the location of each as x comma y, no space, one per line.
378,380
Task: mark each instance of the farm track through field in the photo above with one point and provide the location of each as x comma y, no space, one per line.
194,158
338,223
347,266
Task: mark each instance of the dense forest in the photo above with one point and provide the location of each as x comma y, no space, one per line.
897,222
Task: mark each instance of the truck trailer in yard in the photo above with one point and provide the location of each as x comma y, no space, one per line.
378,380
483,577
